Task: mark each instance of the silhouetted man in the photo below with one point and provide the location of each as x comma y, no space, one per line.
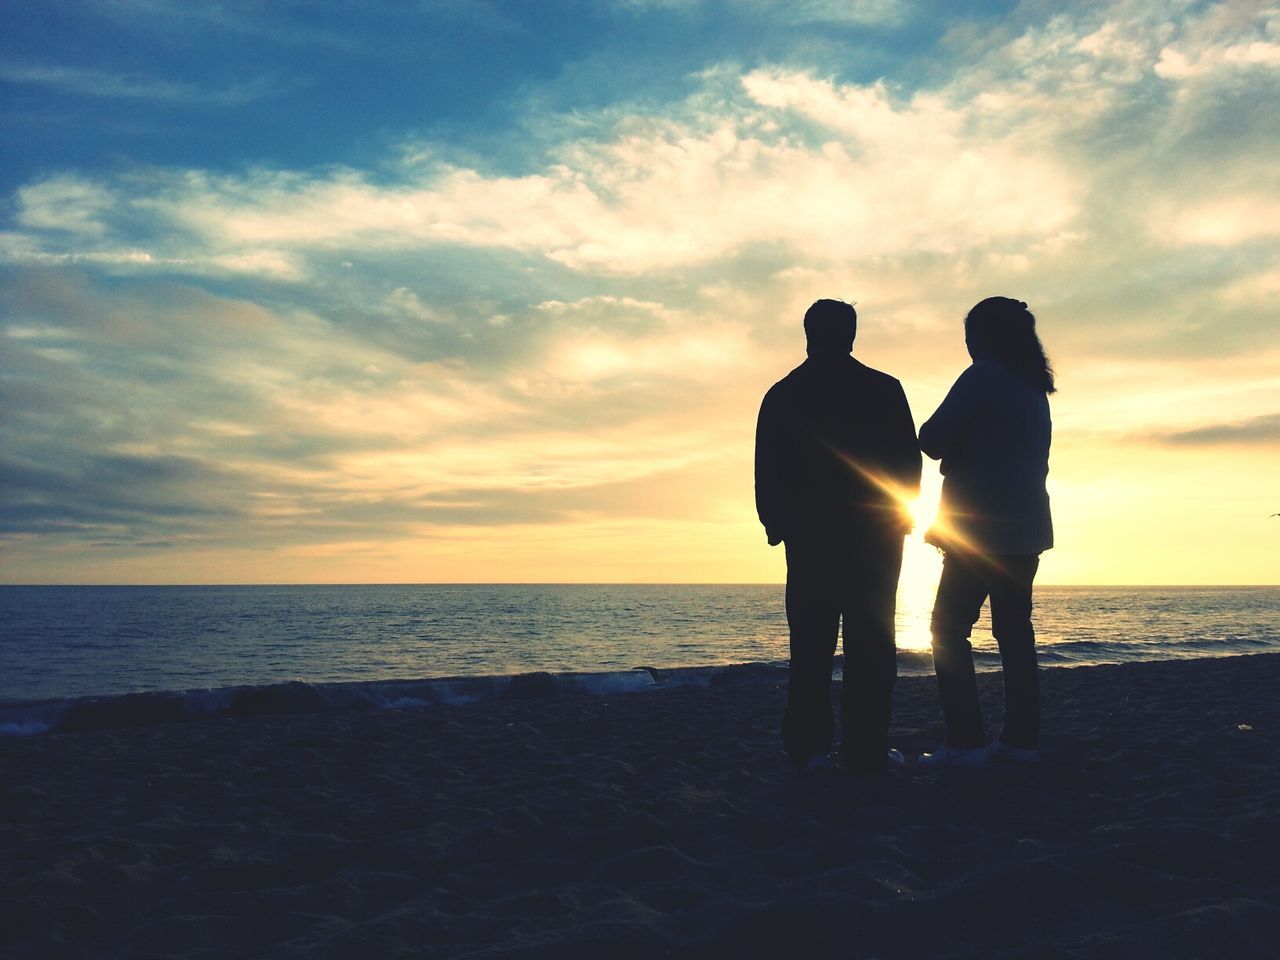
836,455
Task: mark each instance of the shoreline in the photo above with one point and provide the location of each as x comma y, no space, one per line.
33,717
654,825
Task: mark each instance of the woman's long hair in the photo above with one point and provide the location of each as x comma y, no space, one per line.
1004,330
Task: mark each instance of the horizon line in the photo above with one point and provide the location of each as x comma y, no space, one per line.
558,583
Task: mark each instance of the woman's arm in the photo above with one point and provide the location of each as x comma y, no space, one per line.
943,433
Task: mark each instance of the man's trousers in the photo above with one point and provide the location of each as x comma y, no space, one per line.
834,579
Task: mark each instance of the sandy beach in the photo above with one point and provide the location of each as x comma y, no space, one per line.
657,824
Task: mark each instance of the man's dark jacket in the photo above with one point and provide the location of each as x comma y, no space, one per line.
836,452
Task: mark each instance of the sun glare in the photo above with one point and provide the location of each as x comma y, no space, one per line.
921,567
923,510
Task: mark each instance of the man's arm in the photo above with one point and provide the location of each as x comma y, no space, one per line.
902,463
769,457
907,459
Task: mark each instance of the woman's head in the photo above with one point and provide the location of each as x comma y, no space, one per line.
1004,330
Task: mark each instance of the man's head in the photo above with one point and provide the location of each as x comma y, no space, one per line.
830,326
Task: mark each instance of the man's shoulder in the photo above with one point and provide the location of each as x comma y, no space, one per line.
787,384
808,377
878,378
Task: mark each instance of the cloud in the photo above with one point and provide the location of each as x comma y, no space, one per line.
1225,221
1212,43
860,176
577,328
88,82
1264,430
291,429
99,218
791,11
66,203
845,12
278,24
775,157
137,496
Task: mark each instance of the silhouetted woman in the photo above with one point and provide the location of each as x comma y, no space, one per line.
992,435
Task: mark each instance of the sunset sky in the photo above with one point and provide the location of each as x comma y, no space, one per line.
490,291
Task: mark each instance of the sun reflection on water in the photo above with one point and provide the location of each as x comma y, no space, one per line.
921,562
921,567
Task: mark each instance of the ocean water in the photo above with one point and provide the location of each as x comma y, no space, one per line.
60,643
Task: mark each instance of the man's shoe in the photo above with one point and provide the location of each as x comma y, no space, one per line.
894,759
944,756
999,750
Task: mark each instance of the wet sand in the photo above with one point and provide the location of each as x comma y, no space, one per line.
657,824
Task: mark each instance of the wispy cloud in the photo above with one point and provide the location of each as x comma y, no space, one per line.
88,82
282,24
1264,430
795,11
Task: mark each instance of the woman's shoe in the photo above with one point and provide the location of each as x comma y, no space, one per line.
944,756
